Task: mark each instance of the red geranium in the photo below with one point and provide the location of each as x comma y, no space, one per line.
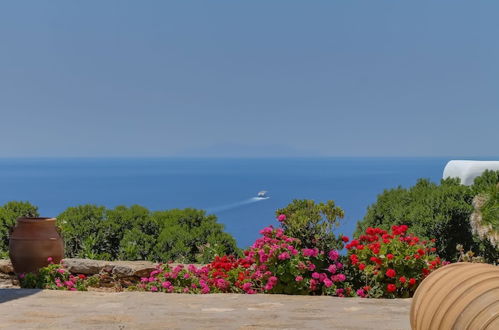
391,287
390,273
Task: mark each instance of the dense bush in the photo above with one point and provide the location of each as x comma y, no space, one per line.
135,233
9,212
431,210
312,223
390,264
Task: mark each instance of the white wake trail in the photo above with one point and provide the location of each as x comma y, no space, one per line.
236,205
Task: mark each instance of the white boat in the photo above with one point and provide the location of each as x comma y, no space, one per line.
262,194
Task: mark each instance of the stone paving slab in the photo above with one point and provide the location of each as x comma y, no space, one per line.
47,309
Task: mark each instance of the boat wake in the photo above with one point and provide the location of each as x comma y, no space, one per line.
236,205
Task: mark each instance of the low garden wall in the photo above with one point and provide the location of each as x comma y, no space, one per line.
112,274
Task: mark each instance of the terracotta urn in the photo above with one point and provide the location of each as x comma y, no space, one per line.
32,242
458,296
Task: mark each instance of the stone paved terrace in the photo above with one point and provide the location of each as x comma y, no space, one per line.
46,309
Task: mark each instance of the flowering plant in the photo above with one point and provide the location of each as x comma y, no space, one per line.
275,263
391,264
53,277
287,267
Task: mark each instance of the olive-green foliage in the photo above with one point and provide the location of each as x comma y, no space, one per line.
135,233
312,223
434,211
9,212
485,182
490,210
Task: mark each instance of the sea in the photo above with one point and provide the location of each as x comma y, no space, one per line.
225,187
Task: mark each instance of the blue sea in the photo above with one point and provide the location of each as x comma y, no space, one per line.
225,187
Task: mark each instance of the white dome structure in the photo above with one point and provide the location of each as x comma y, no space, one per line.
468,170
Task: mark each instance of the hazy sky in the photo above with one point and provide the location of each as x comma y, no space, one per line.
249,78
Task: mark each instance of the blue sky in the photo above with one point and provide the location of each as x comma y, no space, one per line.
249,78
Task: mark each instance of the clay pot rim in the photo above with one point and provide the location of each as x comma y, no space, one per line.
36,219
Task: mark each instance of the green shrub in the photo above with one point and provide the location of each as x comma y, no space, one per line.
9,212
135,233
312,223
431,210
190,235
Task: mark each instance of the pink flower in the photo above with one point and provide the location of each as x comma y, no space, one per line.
327,283
268,287
154,289
284,256
281,217
299,278
333,255
273,279
61,271
332,269
315,275
166,284
247,286
361,293
22,275
310,252
186,275
338,278
49,259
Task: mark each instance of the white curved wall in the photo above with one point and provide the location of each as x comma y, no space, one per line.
468,170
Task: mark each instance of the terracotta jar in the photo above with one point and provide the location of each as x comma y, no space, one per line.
32,242
458,296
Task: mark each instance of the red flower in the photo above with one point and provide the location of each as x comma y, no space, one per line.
345,238
421,252
391,287
362,266
389,256
370,231
433,249
402,279
81,276
412,281
390,273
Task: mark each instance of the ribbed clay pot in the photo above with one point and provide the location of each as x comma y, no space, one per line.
458,296
32,242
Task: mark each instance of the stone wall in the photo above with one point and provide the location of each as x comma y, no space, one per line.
123,273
